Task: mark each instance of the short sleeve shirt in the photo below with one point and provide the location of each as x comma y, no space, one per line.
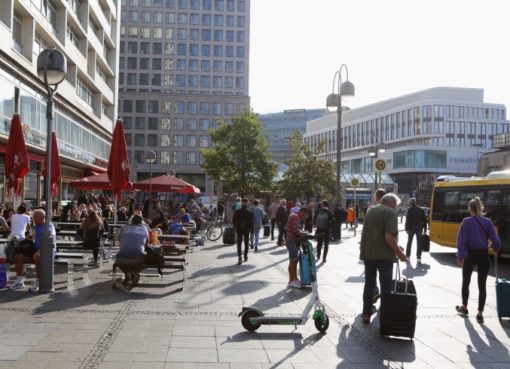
19,223
132,240
381,220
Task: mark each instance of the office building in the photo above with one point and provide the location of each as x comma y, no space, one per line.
279,127
86,32
425,134
184,67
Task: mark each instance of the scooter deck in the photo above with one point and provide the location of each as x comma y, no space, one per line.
283,320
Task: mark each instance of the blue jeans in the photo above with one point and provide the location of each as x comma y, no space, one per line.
410,235
254,237
385,269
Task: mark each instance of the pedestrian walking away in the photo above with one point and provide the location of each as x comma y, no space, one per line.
258,216
243,224
272,215
281,221
379,250
323,222
415,221
476,235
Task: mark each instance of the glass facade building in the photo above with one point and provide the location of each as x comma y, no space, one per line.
85,102
184,67
278,127
425,134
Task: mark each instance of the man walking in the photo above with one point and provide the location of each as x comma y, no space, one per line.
243,224
378,249
416,220
323,222
258,216
272,214
281,220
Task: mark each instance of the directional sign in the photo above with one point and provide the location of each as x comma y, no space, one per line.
355,182
380,165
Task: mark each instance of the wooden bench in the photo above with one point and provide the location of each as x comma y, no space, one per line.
76,255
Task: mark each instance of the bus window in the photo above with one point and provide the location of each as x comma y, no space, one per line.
503,222
491,205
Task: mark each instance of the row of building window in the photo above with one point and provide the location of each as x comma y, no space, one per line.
217,5
192,65
167,124
165,140
182,49
194,81
205,35
193,107
168,157
205,20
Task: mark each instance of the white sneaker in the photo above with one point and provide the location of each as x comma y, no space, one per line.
35,286
294,284
17,284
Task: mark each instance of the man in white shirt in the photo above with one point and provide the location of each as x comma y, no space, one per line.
19,223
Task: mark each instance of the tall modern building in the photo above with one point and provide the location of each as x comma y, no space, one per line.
425,134
278,127
183,68
86,32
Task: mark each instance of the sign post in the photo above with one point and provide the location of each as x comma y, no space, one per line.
379,166
354,184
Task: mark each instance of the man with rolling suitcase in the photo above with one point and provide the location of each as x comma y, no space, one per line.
379,249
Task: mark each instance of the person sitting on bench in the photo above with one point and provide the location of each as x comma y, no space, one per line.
131,256
31,252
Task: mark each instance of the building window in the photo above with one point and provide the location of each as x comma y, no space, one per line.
178,141
50,12
139,139
165,157
140,123
241,22
153,106
165,140
191,157
205,65
230,21
206,50
206,35
204,141
229,67
140,106
71,35
179,124
203,125
204,108
206,19
139,157
152,140
16,31
84,92
217,66
166,123
178,157
153,123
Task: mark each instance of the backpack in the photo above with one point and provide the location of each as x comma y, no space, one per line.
322,221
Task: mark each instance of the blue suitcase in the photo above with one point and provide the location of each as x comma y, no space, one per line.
307,268
502,293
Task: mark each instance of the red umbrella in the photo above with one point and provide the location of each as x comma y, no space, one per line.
55,166
118,163
165,183
16,157
96,182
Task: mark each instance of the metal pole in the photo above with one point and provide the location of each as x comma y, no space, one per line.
150,191
46,261
339,148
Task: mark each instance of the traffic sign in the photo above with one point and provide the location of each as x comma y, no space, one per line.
380,165
355,182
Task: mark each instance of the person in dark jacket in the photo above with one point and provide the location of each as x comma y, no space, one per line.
243,224
415,221
323,222
340,216
281,221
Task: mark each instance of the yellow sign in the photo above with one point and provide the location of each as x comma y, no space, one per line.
380,165
355,182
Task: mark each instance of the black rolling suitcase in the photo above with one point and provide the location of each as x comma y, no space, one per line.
229,236
267,230
397,314
425,242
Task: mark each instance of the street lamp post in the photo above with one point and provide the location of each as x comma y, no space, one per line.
51,69
150,159
334,101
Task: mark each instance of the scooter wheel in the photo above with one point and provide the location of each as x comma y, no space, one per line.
245,320
322,327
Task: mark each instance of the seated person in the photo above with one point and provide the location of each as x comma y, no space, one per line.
159,221
176,228
131,256
19,223
122,214
32,254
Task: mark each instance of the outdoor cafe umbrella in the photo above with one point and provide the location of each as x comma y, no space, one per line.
16,158
118,164
166,183
95,182
55,166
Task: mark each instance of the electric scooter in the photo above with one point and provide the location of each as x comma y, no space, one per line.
252,318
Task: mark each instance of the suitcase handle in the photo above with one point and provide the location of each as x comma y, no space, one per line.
398,278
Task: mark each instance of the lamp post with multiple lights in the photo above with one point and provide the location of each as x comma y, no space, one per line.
334,101
52,70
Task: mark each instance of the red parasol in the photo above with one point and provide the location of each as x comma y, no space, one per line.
16,157
95,182
55,166
165,183
118,163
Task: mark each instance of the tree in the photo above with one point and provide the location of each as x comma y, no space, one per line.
308,175
239,156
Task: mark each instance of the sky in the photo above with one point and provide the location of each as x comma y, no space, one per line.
391,48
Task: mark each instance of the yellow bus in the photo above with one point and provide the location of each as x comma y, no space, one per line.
449,206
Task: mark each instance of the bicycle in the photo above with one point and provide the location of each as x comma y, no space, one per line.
214,228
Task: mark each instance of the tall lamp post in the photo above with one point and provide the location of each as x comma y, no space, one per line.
150,158
334,101
51,69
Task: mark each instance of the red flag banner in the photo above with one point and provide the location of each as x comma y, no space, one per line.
55,166
16,157
118,163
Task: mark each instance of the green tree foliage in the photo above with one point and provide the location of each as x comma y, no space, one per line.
308,175
239,156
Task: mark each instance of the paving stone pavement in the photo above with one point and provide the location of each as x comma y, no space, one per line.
193,324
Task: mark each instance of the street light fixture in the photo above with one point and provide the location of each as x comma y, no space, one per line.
52,70
344,90
150,158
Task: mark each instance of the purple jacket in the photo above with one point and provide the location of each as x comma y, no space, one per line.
472,237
